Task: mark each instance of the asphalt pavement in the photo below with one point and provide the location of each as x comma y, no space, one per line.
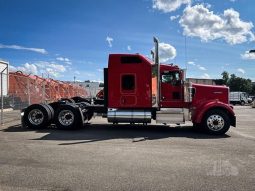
124,157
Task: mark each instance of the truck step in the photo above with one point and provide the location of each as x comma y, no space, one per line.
170,116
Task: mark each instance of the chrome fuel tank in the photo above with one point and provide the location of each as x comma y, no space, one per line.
128,116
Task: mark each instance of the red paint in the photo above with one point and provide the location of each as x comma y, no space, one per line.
171,93
144,86
140,96
207,97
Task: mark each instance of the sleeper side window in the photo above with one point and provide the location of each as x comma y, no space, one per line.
128,82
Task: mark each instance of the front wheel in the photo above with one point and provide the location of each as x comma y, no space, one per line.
216,122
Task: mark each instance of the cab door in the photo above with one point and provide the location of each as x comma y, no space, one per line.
171,89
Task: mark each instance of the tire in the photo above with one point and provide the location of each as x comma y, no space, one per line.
37,116
216,122
242,103
51,112
68,117
55,105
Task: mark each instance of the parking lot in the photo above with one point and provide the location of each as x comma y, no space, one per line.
106,157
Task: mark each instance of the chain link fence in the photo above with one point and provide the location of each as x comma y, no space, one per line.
19,90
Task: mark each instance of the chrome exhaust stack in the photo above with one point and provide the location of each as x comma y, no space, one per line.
156,61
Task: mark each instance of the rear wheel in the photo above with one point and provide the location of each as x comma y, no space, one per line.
37,116
242,103
216,122
51,110
68,117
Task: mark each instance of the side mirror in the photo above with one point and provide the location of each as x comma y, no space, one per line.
183,75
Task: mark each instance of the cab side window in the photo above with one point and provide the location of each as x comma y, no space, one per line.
172,78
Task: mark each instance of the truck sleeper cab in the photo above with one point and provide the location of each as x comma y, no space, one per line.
131,95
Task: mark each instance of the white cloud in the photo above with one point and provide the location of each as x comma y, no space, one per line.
31,68
166,52
17,47
109,40
57,67
191,63
62,59
41,67
206,76
201,67
129,48
199,21
69,63
100,70
26,68
197,65
248,55
12,68
174,17
241,70
169,5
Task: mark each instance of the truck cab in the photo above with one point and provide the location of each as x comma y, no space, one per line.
139,89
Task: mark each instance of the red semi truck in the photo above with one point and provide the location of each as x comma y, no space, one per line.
138,90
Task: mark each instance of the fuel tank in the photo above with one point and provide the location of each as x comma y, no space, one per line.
128,116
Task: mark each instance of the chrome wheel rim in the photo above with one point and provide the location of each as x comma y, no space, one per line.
215,122
66,117
35,117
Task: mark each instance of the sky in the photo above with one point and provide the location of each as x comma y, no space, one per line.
63,39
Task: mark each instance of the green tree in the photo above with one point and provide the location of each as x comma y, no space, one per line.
236,83
239,84
224,80
225,77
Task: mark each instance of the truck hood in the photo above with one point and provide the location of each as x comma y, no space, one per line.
204,93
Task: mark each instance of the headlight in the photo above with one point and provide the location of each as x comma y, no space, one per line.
22,114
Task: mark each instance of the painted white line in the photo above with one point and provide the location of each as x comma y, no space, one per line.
242,134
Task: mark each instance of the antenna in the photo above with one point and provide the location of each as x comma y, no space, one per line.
185,51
